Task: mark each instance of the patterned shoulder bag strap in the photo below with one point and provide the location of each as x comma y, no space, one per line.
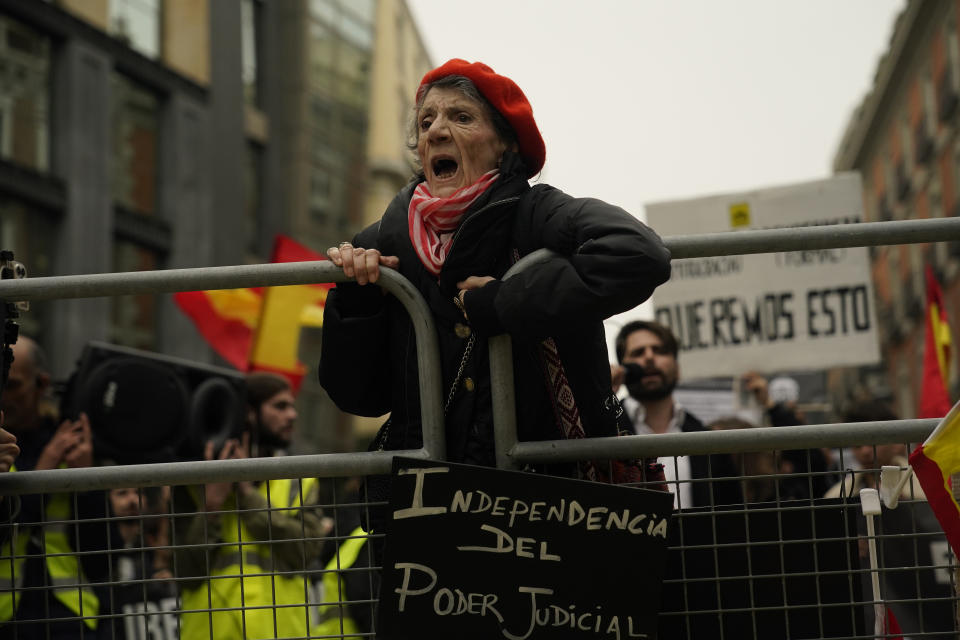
565,411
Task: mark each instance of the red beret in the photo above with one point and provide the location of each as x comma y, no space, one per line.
507,98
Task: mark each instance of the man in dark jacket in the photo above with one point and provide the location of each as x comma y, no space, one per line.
647,353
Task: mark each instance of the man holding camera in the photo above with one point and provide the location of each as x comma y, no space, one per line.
251,543
47,565
647,355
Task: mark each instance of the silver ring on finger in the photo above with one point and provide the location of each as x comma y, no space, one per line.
358,250
343,244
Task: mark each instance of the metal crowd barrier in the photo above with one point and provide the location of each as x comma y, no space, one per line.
720,585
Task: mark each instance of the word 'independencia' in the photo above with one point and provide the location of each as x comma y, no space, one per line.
570,513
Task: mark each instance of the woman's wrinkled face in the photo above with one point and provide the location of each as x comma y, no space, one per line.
456,141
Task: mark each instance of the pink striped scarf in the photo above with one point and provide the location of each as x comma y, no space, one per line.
432,221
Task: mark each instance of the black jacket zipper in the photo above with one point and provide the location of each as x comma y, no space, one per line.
489,206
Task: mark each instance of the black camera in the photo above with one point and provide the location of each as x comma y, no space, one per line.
10,269
147,407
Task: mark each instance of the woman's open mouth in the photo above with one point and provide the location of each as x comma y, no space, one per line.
444,167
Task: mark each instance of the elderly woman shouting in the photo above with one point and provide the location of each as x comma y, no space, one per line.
453,232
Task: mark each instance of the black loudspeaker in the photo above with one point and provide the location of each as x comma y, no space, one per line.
147,407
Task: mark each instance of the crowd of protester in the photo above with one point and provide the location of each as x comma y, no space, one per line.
152,563
161,562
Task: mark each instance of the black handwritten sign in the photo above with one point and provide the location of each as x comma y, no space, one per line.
473,552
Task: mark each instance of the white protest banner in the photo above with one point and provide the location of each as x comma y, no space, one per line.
774,311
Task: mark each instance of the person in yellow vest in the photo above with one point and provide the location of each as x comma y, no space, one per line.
48,575
346,590
251,545
8,455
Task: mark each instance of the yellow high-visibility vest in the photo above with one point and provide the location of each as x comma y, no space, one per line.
12,556
246,598
334,619
67,580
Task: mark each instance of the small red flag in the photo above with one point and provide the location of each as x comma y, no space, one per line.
935,395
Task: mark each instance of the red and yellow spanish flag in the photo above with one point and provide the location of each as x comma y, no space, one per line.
937,459
934,462
259,329
935,394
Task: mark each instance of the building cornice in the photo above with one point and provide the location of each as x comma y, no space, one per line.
892,65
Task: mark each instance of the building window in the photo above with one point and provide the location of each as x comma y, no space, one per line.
883,209
24,95
953,56
134,318
253,186
341,38
930,104
325,10
948,82
250,25
321,195
917,282
955,177
137,24
135,120
925,127
906,153
366,10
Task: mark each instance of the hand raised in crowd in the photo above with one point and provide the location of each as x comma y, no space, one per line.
245,487
216,493
757,384
81,454
362,264
8,448
618,374
71,444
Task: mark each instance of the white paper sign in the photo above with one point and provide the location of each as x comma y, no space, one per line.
774,311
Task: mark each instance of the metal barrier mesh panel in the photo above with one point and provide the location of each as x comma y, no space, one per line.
765,556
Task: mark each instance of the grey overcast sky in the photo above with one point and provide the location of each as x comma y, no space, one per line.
644,101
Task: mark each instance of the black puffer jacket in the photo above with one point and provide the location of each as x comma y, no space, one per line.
609,262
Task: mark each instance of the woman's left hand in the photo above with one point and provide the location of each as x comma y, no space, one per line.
473,282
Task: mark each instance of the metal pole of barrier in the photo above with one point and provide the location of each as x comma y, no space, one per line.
503,399
860,234
324,465
501,374
350,464
262,275
810,436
